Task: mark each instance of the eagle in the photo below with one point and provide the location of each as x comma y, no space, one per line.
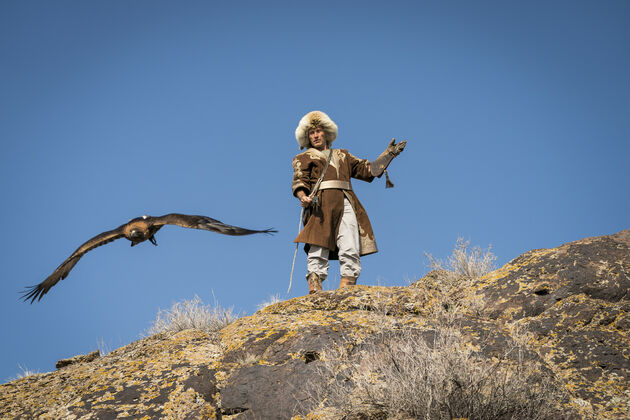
136,231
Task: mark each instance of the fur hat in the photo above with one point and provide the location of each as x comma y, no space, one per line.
315,119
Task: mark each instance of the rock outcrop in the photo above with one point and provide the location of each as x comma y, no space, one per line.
572,301
575,299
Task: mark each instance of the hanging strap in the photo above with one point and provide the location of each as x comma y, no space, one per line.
321,177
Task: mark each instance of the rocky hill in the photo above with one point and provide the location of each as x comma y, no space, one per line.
545,336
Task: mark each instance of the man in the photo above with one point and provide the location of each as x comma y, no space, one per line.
338,226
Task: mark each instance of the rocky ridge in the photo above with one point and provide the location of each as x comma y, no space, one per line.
572,302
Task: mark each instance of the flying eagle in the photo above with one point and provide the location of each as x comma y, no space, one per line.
137,230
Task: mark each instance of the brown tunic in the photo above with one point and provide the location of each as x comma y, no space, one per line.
323,225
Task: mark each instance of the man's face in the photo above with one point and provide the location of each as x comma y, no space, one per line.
317,137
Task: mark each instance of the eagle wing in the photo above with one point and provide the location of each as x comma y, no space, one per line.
205,223
38,291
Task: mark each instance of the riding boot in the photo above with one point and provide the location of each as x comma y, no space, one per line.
347,281
314,283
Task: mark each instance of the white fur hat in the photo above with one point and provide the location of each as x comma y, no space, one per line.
315,119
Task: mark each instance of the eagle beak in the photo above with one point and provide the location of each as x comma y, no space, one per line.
153,241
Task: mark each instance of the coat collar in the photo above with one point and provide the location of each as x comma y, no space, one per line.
315,153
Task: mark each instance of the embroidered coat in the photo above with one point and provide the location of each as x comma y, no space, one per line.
323,225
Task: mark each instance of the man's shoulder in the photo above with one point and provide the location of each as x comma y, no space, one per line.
341,153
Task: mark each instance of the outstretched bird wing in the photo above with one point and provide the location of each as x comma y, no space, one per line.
205,223
38,291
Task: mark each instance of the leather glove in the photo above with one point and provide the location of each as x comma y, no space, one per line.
378,166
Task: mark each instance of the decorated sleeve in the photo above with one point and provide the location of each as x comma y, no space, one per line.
301,176
359,168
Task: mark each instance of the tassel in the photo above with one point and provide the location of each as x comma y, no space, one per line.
388,182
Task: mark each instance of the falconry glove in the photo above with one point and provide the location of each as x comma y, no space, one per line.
380,164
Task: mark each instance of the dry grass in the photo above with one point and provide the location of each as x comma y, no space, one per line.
248,359
273,299
466,264
400,375
24,373
436,374
103,348
452,279
192,314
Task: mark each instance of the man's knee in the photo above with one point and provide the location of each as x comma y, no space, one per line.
354,272
350,265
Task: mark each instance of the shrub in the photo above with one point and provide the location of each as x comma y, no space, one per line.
273,299
192,314
102,347
451,279
465,263
399,374
24,373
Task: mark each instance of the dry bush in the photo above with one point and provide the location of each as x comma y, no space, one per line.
399,374
248,359
103,348
192,314
466,264
273,299
453,278
24,373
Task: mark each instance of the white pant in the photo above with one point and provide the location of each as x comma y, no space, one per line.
349,245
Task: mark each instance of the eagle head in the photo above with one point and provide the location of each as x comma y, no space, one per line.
136,235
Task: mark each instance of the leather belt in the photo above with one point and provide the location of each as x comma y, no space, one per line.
334,184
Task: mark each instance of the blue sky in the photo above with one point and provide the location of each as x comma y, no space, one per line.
516,116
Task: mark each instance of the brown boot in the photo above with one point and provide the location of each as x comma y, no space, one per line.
314,283
347,281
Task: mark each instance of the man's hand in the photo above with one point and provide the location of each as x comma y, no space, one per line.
396,149
305,200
